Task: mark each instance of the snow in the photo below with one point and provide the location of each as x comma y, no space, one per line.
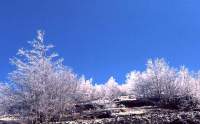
8,118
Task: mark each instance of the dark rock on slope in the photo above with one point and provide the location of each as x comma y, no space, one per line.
134,102
87,106
9,122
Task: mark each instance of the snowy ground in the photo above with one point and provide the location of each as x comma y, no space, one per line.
136,115
145,115
8,118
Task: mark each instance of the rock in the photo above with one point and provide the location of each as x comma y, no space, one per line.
87,106
134,103
97,114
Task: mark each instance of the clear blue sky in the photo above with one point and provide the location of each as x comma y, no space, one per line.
103,38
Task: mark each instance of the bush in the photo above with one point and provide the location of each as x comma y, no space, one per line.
172,89
177,102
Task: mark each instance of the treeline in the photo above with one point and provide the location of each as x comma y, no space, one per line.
41,86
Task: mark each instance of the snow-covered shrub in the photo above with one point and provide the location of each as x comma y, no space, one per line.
165,84
179,102
157,81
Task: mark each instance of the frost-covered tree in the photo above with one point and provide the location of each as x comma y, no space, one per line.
40,86
161,77
99,91
86,90
186,82
157,81
196,86
164,83
3,98
112,89
132,79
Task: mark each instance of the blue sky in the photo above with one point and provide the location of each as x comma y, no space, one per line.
103,38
